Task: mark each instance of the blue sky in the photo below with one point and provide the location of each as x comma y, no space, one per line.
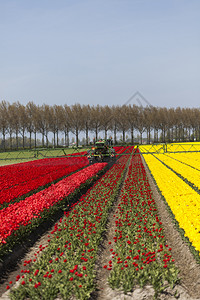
100,51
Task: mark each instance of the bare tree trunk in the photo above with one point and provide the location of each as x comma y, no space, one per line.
149,134
67,137
154,135
30,140
163,135
169,135
35,133
176,134
141,137
4,140
17,140
183,134
106,134
96,132
115,135
132,138
10,140
54,139
43,139
123,135
76,137
57,139
192,134
86,136
179,135
47,141
23,134
172,134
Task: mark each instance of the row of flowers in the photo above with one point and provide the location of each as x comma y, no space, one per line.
187,168
19,179
189,158
140,254
26,170
65,266
182,199
20,218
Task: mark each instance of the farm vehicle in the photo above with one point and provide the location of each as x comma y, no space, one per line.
101,152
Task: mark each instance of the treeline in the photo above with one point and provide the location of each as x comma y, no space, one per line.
21,122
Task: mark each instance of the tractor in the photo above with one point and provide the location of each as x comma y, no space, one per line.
101,152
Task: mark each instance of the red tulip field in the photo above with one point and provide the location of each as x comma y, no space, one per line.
111,241
19,179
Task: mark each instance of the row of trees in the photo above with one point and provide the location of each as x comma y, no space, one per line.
159,124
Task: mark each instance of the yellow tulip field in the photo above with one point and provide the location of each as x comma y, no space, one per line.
177,176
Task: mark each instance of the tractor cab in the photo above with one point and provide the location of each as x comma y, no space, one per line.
102,151
101,147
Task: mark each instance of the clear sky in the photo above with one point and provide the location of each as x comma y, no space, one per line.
100,51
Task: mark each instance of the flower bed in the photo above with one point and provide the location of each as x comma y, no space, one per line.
183,200
191,159
66,265
19,179
182,167
21,219
140,253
